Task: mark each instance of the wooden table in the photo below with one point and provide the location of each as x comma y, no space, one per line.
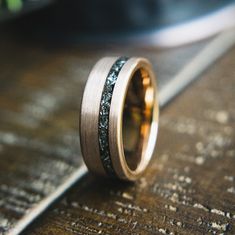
190,186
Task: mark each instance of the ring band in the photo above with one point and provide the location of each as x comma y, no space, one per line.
119,117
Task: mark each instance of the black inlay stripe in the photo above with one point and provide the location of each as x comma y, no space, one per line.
103,122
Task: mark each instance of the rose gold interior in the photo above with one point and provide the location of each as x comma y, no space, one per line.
137,117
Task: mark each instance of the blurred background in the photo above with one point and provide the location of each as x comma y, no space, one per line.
159,22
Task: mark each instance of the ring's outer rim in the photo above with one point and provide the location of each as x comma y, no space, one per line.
116,115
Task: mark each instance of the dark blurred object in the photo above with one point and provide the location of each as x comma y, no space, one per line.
133,15
158,22
12,8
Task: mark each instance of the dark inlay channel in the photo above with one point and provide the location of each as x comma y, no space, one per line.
104,115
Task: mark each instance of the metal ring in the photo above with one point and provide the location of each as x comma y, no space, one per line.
119,117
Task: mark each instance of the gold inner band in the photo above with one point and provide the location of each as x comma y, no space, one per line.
137,117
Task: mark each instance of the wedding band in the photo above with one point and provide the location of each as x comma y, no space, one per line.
119,117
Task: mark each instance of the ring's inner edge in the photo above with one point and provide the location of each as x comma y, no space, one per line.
137,117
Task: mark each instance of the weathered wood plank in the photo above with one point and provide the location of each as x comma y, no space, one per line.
40,94
190,185
41,89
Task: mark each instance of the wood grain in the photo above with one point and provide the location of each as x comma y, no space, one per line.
190,186
41,87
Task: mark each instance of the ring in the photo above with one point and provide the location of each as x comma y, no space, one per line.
119,117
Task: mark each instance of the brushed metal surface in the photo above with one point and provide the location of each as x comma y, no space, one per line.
90,109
